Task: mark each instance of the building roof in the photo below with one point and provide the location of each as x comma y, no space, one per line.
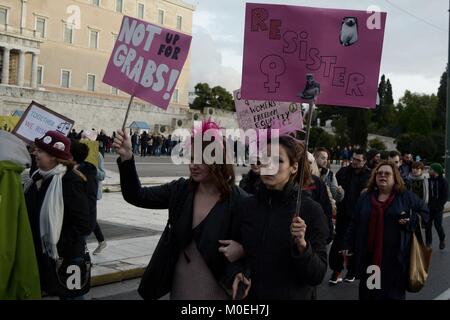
139,125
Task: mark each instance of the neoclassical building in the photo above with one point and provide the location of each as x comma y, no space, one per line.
62,47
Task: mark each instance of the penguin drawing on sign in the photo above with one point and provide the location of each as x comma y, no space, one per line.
349,31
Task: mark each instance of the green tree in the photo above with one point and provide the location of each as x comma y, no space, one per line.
217,97
357,123
418,144
203,97
222,99
320,138
377,144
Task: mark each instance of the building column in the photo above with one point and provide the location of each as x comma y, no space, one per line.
23,19
34,70
21,69
5,68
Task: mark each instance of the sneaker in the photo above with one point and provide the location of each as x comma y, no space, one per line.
349,278
442,244
335,279
101,246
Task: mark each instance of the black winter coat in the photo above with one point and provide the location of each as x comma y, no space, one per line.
76,215
178,196
353,184
319,194
250,182
90,172
278,270
396,243
438,188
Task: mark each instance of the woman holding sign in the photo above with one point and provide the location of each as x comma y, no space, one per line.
194,249
286,256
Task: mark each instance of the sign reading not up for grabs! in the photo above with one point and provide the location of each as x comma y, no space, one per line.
37,120
147,60
341,48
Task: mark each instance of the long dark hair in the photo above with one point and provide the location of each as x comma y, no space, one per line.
295,151
222,173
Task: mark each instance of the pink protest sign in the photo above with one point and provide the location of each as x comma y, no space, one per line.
147,61
251,114
341,48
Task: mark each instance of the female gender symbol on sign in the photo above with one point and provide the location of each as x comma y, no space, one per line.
272,66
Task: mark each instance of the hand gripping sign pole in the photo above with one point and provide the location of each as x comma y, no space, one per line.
126,115
310,93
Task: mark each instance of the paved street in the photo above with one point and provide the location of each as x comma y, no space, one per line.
158,166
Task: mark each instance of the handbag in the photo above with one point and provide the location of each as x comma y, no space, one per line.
66,278
157,278
419,262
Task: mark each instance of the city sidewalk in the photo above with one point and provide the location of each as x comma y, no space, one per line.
126,257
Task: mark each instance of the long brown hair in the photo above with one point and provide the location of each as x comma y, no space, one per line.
70,164
399,185
222,174
295,151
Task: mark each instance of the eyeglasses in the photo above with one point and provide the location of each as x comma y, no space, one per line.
384,173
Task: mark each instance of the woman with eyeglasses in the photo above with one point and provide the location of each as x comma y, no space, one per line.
380,233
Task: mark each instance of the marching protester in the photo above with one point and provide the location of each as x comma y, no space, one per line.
327,176
196,245
373,158
406,166
321,194
286,256
385,216
251,181
394,156
99,177
353,180
438,195
19,274
58,210
417,182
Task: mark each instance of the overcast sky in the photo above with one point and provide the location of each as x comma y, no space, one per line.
414,51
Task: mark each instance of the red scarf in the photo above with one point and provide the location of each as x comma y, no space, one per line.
376,228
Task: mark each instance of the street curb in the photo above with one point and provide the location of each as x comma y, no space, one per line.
118,276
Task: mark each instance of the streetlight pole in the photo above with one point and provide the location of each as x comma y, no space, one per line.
447,125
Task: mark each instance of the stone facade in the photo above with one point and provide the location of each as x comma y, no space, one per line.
92,111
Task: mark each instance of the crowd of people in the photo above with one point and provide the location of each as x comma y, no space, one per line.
234,242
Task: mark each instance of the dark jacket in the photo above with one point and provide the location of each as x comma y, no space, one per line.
178,196
438,189
250,182
76,215
396,244
405,170
278,270
352,183
319,194
90,172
